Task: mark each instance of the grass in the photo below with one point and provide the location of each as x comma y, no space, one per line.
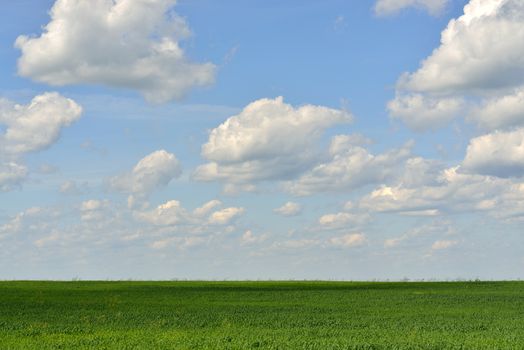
264,315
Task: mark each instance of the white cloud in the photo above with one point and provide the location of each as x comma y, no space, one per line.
420,112
481,50
348,240
225,216
391,7
500,112
499,154
289,209
30,128
350,167
153,171
131,44
255,145
453,191
440,245
342,219
206,208
167,214
37,125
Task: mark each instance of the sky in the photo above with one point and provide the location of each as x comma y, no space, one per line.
199,139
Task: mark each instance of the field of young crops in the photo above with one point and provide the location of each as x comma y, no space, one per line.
266,315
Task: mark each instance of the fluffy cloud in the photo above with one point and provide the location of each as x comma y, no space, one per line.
501,111
248,238
167,214
30,128
339,220
452,191
37,125
153,171
124,43
350,167
481,53
348,240
421,113
206,208
289,209
391,7
225,216
499,154
172,213
255,145
482,49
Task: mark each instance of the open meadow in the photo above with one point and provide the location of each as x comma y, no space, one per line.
266,315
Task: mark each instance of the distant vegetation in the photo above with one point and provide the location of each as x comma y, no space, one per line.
266,315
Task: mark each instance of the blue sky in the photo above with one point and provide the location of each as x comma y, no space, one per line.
250,140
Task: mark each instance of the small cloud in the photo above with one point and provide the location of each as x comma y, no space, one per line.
289,209
348,241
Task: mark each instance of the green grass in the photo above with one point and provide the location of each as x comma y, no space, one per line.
264,315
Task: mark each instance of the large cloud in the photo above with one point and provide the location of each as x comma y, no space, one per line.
30,128
37,125
452,191
391,7
500,111
481,50
123,43
499,154
153,171
421,113
268,140
350,167
481,56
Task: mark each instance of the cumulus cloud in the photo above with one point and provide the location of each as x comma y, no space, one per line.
453,191
167,214
255,145
499,154
480,54
289,209
225,216
342,219
37,125
130,44
500,111
349,168
206,208
30,128
392,7
153,171
420,112
348,240
172,213
480,50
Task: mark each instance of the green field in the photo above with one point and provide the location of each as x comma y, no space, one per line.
266,315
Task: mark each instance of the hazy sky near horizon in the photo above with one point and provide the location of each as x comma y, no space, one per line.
199,139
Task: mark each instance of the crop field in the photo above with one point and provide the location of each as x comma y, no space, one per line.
264,315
